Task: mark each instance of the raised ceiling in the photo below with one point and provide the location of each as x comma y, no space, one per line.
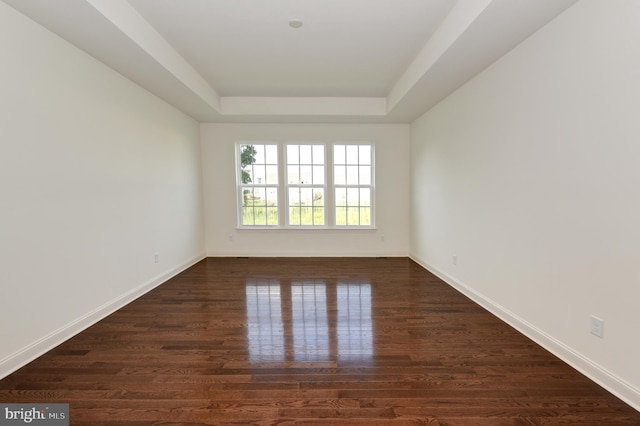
350,61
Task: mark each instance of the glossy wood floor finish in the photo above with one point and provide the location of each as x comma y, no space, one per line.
310,341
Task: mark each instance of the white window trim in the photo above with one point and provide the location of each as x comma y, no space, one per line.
288,186
283,195
371,186
240,185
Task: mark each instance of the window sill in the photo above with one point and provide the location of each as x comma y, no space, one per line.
306,228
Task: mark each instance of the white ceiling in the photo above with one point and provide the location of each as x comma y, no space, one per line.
351,61
344,48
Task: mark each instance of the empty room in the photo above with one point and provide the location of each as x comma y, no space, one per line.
319,212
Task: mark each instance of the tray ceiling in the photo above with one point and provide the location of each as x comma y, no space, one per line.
349,61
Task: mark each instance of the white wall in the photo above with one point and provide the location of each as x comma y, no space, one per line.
530,175
392,193
96,175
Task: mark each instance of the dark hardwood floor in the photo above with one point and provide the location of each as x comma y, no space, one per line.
310,341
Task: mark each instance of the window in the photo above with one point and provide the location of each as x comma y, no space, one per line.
352,181
259,184
320,185
305,185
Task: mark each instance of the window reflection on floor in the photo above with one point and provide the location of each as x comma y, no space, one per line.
264,321
296,322
309,321
355,328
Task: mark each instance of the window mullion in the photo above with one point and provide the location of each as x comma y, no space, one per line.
283,195
330,206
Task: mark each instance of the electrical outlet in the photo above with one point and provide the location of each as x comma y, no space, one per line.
597,326
454,259
156,257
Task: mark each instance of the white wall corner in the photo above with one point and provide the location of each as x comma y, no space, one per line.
600,375
22,357
455,24
127,19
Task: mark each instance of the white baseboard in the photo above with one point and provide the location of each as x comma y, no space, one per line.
20,358
617,386
305,254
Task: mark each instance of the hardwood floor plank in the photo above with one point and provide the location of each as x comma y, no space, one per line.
304,341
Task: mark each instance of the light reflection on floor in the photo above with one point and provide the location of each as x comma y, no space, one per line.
264,319
309,320
355,327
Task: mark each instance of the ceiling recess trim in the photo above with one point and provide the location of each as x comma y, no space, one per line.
123,16
473,35
325,106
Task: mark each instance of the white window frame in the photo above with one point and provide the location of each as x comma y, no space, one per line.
283,186
337,184
242,186
302,185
